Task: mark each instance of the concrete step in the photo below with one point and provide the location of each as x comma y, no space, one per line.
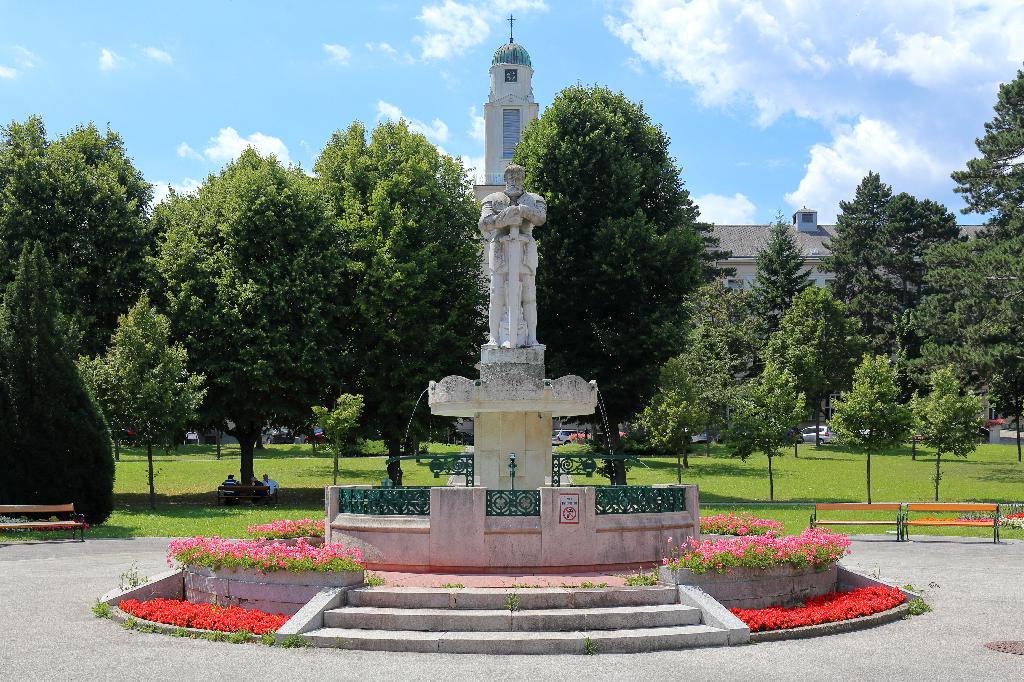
603,641
494,598
494,620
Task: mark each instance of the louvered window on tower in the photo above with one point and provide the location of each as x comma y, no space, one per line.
510,130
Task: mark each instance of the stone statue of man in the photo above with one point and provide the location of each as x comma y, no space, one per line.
506,222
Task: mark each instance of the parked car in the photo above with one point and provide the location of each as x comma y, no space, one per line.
699,438
192,438
824,434
562,436
281,436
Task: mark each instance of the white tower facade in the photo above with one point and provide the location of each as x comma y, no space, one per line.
509,109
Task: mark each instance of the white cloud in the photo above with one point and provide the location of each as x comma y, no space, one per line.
158,55
810,58
228,145
436,131
338,54
185,151
162,189
474,165
452,28
835,169
109,60
7,72
734,210
25,57
922,74
381,47
477,126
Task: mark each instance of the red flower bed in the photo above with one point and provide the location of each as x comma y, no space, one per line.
828,608
185,614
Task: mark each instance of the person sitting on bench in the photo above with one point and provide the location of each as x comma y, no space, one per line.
258,489
271,484
230,480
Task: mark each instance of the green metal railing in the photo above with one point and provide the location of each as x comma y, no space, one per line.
639,500
452,465
513,503
385,501
567,465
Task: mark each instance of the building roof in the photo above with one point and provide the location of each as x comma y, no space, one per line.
512,53
747,241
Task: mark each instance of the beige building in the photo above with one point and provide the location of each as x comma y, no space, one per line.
745,242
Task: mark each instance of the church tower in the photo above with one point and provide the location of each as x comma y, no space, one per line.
509,108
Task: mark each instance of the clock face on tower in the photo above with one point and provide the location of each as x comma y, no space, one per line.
511,75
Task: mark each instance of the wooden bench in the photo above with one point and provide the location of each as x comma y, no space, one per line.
254,493
76,523
897,521
953,507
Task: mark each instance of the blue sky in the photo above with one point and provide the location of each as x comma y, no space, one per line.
770,104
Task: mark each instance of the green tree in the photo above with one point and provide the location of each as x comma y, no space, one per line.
912,226
857,256
254,280
622,246
1007,392
947,419
871,416
971,315
764,412
726,325
339,423
677,411
144,381
877,256
993,183
54,446
819,343
409,214
84,200
780,274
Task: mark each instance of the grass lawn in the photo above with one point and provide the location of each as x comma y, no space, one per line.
186,481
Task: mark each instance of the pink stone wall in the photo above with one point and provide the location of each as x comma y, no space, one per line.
279,592
459,535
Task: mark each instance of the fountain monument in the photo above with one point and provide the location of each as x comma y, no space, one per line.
512,404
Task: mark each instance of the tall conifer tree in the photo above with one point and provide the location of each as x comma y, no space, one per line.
780,274
857,257
54,445
993,183
971,315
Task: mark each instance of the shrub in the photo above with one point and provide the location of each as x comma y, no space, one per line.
917,607
279,530
743,523
57,447
294,642
641,579
217,553
815,547
828,608
185,614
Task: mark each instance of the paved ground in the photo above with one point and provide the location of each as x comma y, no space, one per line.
49,633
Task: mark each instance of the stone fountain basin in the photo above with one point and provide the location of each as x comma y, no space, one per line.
457,396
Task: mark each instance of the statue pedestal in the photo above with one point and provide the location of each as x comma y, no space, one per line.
512,406
527,434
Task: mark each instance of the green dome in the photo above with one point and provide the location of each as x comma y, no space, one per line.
512,53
